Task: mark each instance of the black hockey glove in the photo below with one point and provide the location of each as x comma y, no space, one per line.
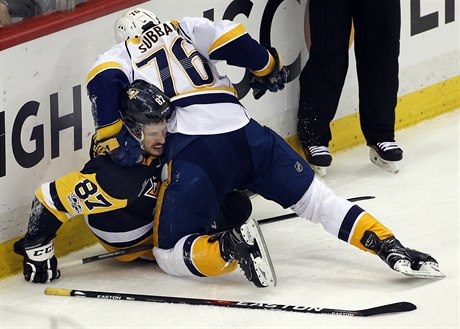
122,148
274,81
40,263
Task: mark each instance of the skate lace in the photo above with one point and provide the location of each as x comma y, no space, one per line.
318,150
386,146
229,241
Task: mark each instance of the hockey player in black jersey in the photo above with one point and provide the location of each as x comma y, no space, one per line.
118,202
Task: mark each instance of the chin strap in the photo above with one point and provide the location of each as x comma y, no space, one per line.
141,131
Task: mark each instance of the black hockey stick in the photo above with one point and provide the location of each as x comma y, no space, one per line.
106,255
293,215
150,246
390,308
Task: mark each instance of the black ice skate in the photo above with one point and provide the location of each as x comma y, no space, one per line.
246,245
409,262
319,158
386,155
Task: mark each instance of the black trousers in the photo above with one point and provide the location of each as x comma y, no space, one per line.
377,26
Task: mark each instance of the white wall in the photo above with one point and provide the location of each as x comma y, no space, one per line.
54,67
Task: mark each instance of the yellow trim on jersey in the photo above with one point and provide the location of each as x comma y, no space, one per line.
148,160
102,67
368,223
109,145
109,131
227,37
207,259
93,195
268,68
205,90
59,214
161,194
134,40
175,23
90,195
130,257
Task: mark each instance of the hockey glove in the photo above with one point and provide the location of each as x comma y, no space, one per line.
40,263
274,81
122,148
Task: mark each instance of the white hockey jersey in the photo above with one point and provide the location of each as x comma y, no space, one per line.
179,57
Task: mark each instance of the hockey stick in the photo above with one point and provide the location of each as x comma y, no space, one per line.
389,308
146,247
106,255
293,215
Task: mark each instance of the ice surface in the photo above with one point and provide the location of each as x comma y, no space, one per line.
420,204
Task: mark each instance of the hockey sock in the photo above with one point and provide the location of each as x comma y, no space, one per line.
345,220
193,255
365,222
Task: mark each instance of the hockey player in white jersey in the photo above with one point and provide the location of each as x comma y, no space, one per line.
214,147
118,202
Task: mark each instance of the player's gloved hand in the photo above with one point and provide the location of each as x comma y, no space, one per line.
40,263
274,81
122,148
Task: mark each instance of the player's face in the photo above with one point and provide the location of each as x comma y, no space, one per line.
154,138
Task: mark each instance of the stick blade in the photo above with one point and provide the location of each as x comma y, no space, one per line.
390,308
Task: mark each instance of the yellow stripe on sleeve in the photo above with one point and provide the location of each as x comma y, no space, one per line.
109,131
368,223
207,259
59,214
101,67
227,37
268,68
90,202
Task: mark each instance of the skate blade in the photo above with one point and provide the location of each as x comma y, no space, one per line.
320,171
427,271
391,166
263,265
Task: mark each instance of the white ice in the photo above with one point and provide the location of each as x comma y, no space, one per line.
420,204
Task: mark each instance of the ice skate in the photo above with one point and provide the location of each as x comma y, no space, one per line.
246,245
386,155
409,262
319,159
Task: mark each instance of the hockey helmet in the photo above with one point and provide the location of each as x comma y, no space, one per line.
133,23
143,103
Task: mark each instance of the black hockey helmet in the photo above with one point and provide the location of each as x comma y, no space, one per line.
143,103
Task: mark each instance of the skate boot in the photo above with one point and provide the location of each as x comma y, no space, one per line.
386,155
319,158
409,262
246,245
